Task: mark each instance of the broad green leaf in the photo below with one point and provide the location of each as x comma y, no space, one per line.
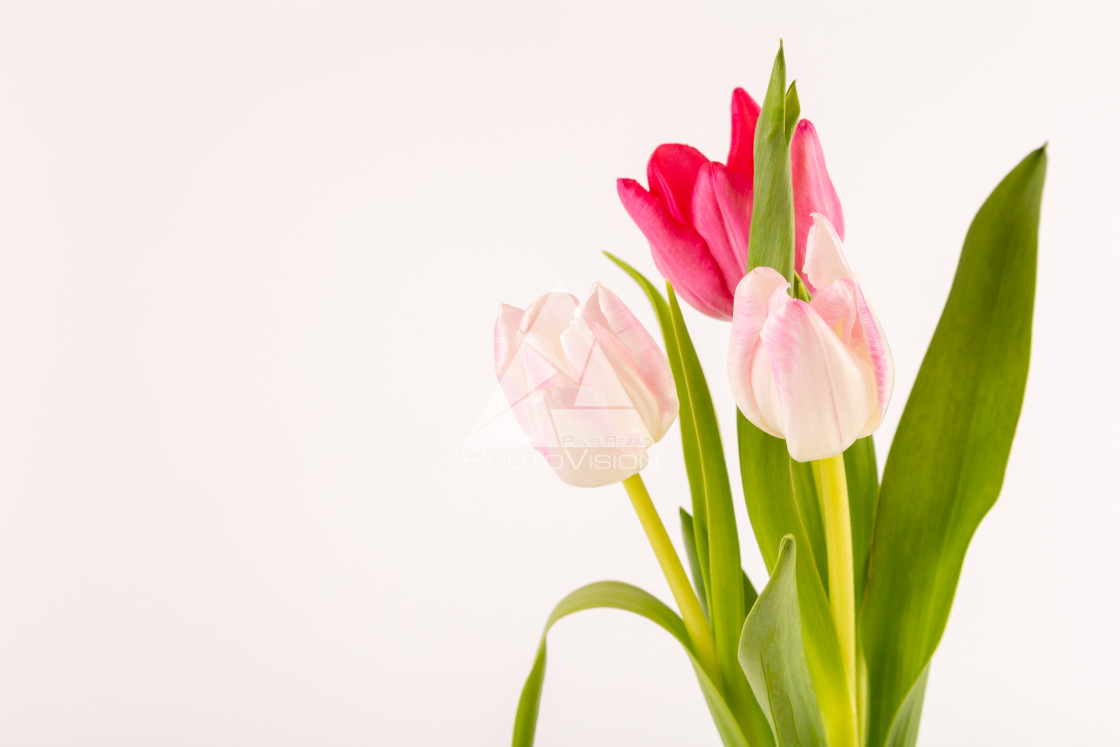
690,446
772,654
726,605
863,495
617,595
768,487
947,462
688,533
772,235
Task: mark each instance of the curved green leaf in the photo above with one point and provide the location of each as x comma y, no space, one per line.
772,654
617,595
946,465
715,533
690,446
726,605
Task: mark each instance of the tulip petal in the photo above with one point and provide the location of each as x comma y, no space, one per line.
744,117
721,213
823,387
671,173
812,190
679,252
836,304
506,338
746,356
641,366
825,264
526,357
825,261
586,441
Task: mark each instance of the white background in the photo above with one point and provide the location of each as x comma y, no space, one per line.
250,257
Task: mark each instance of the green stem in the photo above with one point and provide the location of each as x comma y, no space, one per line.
841,569
692,614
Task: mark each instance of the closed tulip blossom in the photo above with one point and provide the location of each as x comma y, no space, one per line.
819,373
586,382
696,213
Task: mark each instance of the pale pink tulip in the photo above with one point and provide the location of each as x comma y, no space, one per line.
818,374
696,213
586,382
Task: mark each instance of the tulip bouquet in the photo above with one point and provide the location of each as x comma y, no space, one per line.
835,649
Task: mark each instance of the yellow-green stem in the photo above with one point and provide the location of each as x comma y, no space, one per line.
841,571
693,615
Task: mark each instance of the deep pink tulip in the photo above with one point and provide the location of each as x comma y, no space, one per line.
696,213
818,374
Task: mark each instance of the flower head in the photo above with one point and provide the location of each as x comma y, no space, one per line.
586,382
818,374
696,213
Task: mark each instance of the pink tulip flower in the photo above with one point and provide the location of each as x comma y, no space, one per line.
818,374
586,382
696,213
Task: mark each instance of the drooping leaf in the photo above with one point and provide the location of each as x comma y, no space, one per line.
772,654
947,462
690,446
772,229
617,595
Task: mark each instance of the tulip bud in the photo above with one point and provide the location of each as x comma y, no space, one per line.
586,382
818,374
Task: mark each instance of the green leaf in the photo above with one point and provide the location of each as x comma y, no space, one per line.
690,446
772,654
792,110
904,729
750,596
617,595
807,497
772,234
687,529
768,488
863,496
946,465
774,511
688,533
715,533
726,605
